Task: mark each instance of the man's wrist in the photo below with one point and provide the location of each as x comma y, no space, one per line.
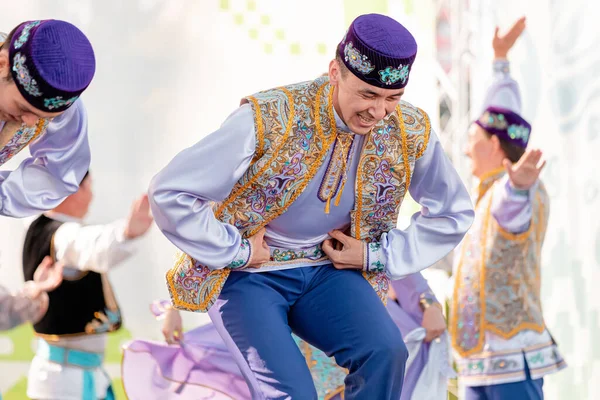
427,300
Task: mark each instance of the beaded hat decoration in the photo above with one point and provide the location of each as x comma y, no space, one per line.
505,124
379,51
52,63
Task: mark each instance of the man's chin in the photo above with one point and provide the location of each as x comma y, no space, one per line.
360,130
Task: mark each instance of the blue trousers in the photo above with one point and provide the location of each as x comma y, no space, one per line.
524,390
336,311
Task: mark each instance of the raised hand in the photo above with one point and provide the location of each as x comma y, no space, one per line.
526,171
140,219
503,44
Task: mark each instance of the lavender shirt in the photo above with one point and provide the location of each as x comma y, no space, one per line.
59,160
180,197
512,210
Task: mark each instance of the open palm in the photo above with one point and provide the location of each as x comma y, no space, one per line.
503,44
526,171
140,219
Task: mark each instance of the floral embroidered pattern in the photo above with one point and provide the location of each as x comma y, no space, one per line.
385,169
107,321
358,61
375,257
24,36
21,139
314,253
327,375
25,80
192,286
56,102
494,120
335,175
380,283
498,277
242,258
518,132
391,75
296,126
502,367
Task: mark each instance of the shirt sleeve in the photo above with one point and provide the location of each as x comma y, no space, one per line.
503,90
182,194
446,215
512,208
97,248
409,292
60,157
28,305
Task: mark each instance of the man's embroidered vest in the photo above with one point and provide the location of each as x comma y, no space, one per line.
295,128
497,285
15,137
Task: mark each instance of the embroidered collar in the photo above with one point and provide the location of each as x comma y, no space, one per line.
487,180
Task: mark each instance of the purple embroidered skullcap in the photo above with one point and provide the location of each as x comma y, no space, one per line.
505,124
52,63
379,51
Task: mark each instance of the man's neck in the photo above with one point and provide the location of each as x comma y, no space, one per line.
490,173
336,105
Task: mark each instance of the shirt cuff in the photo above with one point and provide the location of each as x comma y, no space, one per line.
501,66
517,192
427,299
242,258
374,259
125,243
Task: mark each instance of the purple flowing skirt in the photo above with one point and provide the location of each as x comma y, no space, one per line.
202,367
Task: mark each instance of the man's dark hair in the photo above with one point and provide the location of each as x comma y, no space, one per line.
511,151
343,69
5,46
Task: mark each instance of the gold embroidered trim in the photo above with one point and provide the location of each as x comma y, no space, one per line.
486,182
484,326
457,286
482,243
404,149
340,390
325,148
515,237
482,275
359,197
359,174
336,175
524,325
260,130
38,130
309,361
224,273
521,237
487,354
288,129
426,136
